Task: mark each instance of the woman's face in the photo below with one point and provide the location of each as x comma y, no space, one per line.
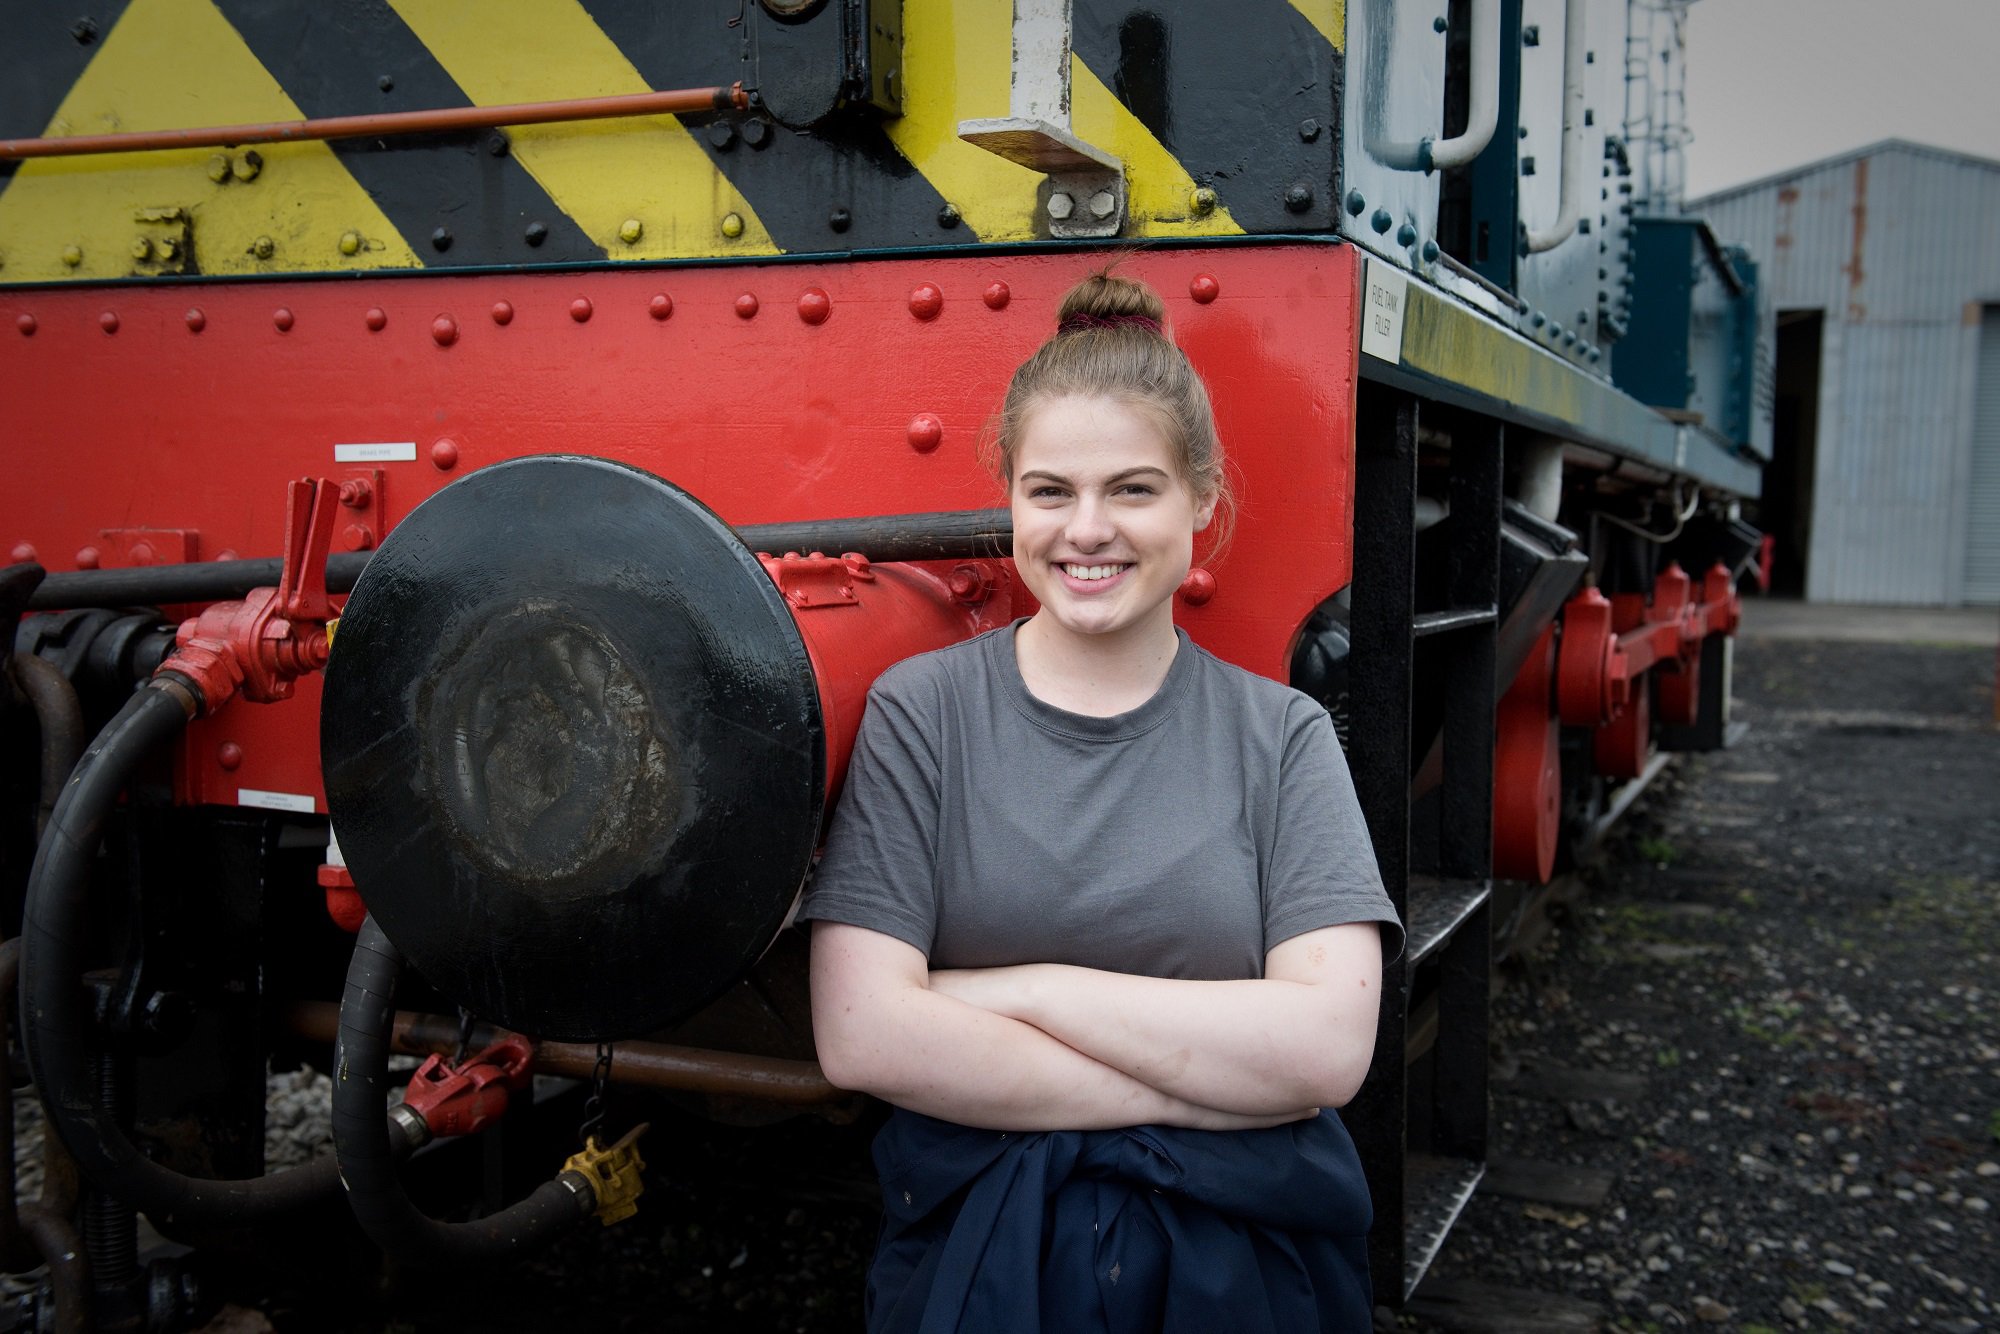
1104,524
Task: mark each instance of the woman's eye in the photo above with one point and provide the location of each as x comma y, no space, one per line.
1136,489
1045,493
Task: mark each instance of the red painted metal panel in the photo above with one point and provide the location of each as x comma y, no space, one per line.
849,391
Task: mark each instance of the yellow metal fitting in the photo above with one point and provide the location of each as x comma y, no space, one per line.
72,255
350,243
614,1174
263,247
1202,200
732,225
142,249
630,230
218,168
168,248
246,165
331,626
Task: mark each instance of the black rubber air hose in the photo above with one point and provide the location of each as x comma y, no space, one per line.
58,1022
366,1153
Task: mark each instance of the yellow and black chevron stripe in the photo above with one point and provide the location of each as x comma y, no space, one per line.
1200,95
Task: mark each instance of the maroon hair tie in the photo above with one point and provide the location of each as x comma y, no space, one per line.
1081,320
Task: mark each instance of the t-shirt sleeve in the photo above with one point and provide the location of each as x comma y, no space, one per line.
878,868
1322,870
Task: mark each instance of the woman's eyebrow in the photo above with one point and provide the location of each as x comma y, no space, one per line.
1112,480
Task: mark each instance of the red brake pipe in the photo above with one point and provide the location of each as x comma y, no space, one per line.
385,123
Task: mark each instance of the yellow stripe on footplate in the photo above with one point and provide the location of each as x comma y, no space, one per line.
171,65
604,173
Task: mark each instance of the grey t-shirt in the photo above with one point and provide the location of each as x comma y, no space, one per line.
1182,839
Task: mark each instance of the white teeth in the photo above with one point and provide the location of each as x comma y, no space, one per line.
1092,571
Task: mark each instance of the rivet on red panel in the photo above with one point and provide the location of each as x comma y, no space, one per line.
997,296
108,321
1204,288
377,319
746,305
282,317
26,324
227,553
1197,588
926,431
503,312
22,554
445,330
196,321
926,301
141,553
581,309
88,558
229,755
661,306
814,306
444,456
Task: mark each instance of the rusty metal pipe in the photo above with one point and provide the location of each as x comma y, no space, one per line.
655,1065
69,1273
61,720
435,120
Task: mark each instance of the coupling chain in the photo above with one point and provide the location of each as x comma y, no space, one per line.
593,1107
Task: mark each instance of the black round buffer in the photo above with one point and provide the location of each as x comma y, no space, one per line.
572,748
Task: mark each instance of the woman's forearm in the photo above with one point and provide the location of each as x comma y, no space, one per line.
879,1030
1251,1046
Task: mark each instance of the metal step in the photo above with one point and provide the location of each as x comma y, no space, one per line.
1437,908
1435,1190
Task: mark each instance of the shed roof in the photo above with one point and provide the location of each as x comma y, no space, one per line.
1839,159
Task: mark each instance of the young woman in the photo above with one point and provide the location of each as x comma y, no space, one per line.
1089,883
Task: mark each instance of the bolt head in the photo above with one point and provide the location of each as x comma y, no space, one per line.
721,134
1406,235
926,301
1430,252
1103,204
22,554
444,456
281,318
1197,588
196,321
1381,221
142,249
661,306
218,168
1299,198
229,755
386,82
1440,23
814,306
581,310
1203,200
441,239
72,255
27,324
88,558
630,230
503,313
839,219
444,331
350,243
376,318
264,247
1060,206
997,295
1204,288
108,321
536,233
732,225
756,133
926,432
947,217
1355,203
746,306
246,165
1309,129
357,537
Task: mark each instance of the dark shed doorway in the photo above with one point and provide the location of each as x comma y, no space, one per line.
1784,509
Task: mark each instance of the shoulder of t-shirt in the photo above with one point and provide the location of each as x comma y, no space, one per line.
925,676
1260,695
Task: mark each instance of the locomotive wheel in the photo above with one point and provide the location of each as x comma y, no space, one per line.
572,748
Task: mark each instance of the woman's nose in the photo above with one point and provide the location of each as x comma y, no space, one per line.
1090,524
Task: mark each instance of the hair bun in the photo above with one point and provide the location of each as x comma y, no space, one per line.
1106,300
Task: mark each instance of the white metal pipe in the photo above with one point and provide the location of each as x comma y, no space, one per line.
1572,135
1482,93
1541,477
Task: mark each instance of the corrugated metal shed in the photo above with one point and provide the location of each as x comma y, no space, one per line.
1898,245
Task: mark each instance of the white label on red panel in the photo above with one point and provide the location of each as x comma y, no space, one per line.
1385,291
275,801
404,451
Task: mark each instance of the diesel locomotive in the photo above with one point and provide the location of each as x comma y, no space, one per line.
465,465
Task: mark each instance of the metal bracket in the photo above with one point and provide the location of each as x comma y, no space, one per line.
1084,196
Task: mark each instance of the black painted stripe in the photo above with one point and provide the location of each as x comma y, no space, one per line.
48,46
1226,89
332,57
795,181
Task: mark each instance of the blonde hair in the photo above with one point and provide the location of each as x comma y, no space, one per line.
1111,340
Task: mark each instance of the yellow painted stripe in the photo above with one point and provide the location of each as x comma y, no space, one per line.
956,56
1329,16
601,173
1157,186
171,64
1443,339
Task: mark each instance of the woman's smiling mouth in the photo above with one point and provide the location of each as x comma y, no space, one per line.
1091,577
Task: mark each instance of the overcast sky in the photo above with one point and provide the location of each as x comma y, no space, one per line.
1775,83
